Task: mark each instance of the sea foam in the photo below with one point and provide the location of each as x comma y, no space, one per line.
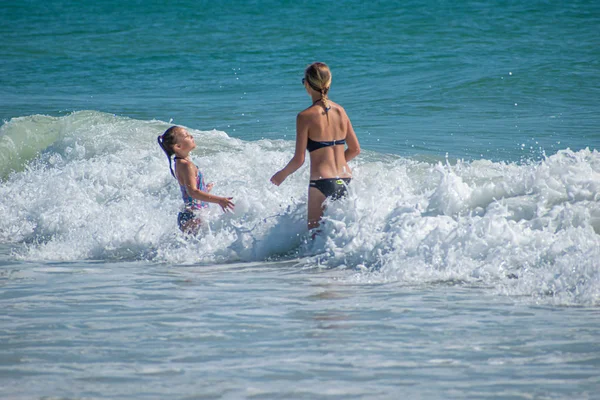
100,189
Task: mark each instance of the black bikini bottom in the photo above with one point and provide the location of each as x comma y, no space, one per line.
334,187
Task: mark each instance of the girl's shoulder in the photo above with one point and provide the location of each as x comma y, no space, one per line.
183,164
185,171
184,161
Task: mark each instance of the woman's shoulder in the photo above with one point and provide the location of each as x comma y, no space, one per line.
306,112
337,107
312,110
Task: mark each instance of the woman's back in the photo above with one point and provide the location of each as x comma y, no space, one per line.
327,159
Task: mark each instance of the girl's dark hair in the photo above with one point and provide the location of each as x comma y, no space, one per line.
166,141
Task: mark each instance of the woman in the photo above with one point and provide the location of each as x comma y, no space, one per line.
323,129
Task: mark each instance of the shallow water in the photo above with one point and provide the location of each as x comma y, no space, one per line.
277,330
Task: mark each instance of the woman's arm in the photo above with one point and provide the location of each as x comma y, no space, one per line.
352,141
299,154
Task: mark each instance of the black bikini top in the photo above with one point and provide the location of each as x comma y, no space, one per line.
313,145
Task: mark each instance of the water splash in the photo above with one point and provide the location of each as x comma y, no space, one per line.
102,191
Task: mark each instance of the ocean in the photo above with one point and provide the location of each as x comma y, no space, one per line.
464,264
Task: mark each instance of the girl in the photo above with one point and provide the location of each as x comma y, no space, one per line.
177,141
323,129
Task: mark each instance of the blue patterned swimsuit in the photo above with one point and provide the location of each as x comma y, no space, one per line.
189,203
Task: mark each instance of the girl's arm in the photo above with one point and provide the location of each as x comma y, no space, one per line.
299,154
352,141
186,175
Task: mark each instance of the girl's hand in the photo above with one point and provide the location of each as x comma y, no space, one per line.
226,203
278,178
209,187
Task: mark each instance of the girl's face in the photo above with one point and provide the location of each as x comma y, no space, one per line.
185,141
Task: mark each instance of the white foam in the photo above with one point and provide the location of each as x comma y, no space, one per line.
103,191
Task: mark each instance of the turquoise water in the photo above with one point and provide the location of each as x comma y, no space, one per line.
472,80
463,264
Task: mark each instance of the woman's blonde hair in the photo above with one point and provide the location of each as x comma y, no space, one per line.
318,77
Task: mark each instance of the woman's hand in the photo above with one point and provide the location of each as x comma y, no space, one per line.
278,178
226,203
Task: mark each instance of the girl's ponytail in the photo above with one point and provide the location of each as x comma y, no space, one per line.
166,141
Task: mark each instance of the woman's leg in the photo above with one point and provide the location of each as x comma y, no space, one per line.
315,207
